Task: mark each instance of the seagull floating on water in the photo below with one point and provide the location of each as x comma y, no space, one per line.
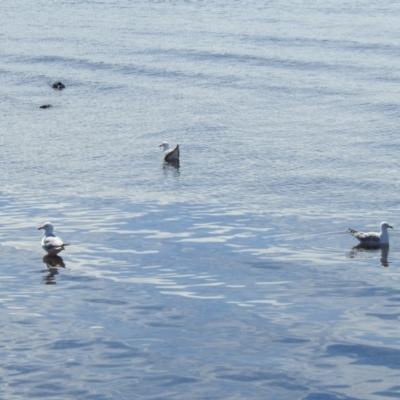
170,154
373,239
50,242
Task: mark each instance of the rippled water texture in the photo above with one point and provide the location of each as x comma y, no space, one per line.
228,277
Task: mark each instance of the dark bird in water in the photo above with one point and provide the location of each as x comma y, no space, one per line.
58,85
45,106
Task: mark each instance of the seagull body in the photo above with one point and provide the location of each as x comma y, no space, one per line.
170,154
373,239
50,242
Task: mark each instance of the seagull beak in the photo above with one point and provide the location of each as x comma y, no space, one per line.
390,226
40,228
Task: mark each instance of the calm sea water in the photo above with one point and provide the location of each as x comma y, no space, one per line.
232,276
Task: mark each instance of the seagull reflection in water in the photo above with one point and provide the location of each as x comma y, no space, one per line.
171,168
384,248
52,262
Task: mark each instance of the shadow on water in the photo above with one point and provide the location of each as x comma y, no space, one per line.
52,262
360,249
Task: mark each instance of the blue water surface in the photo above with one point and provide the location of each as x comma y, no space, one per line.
230,276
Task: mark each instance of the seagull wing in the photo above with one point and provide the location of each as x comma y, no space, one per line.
172,155
365,237
53,242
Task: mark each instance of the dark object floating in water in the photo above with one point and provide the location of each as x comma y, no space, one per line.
46,106
58,85
170,155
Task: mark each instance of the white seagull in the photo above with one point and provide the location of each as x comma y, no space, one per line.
373,239
170,154
50,242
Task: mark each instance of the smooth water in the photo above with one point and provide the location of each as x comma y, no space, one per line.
232,276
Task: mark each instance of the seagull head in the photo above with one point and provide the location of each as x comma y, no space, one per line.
48,227
385,225
164,145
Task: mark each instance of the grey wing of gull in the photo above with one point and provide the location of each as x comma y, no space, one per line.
172,155
370,237
53,243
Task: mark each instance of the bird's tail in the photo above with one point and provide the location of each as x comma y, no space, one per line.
351,231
